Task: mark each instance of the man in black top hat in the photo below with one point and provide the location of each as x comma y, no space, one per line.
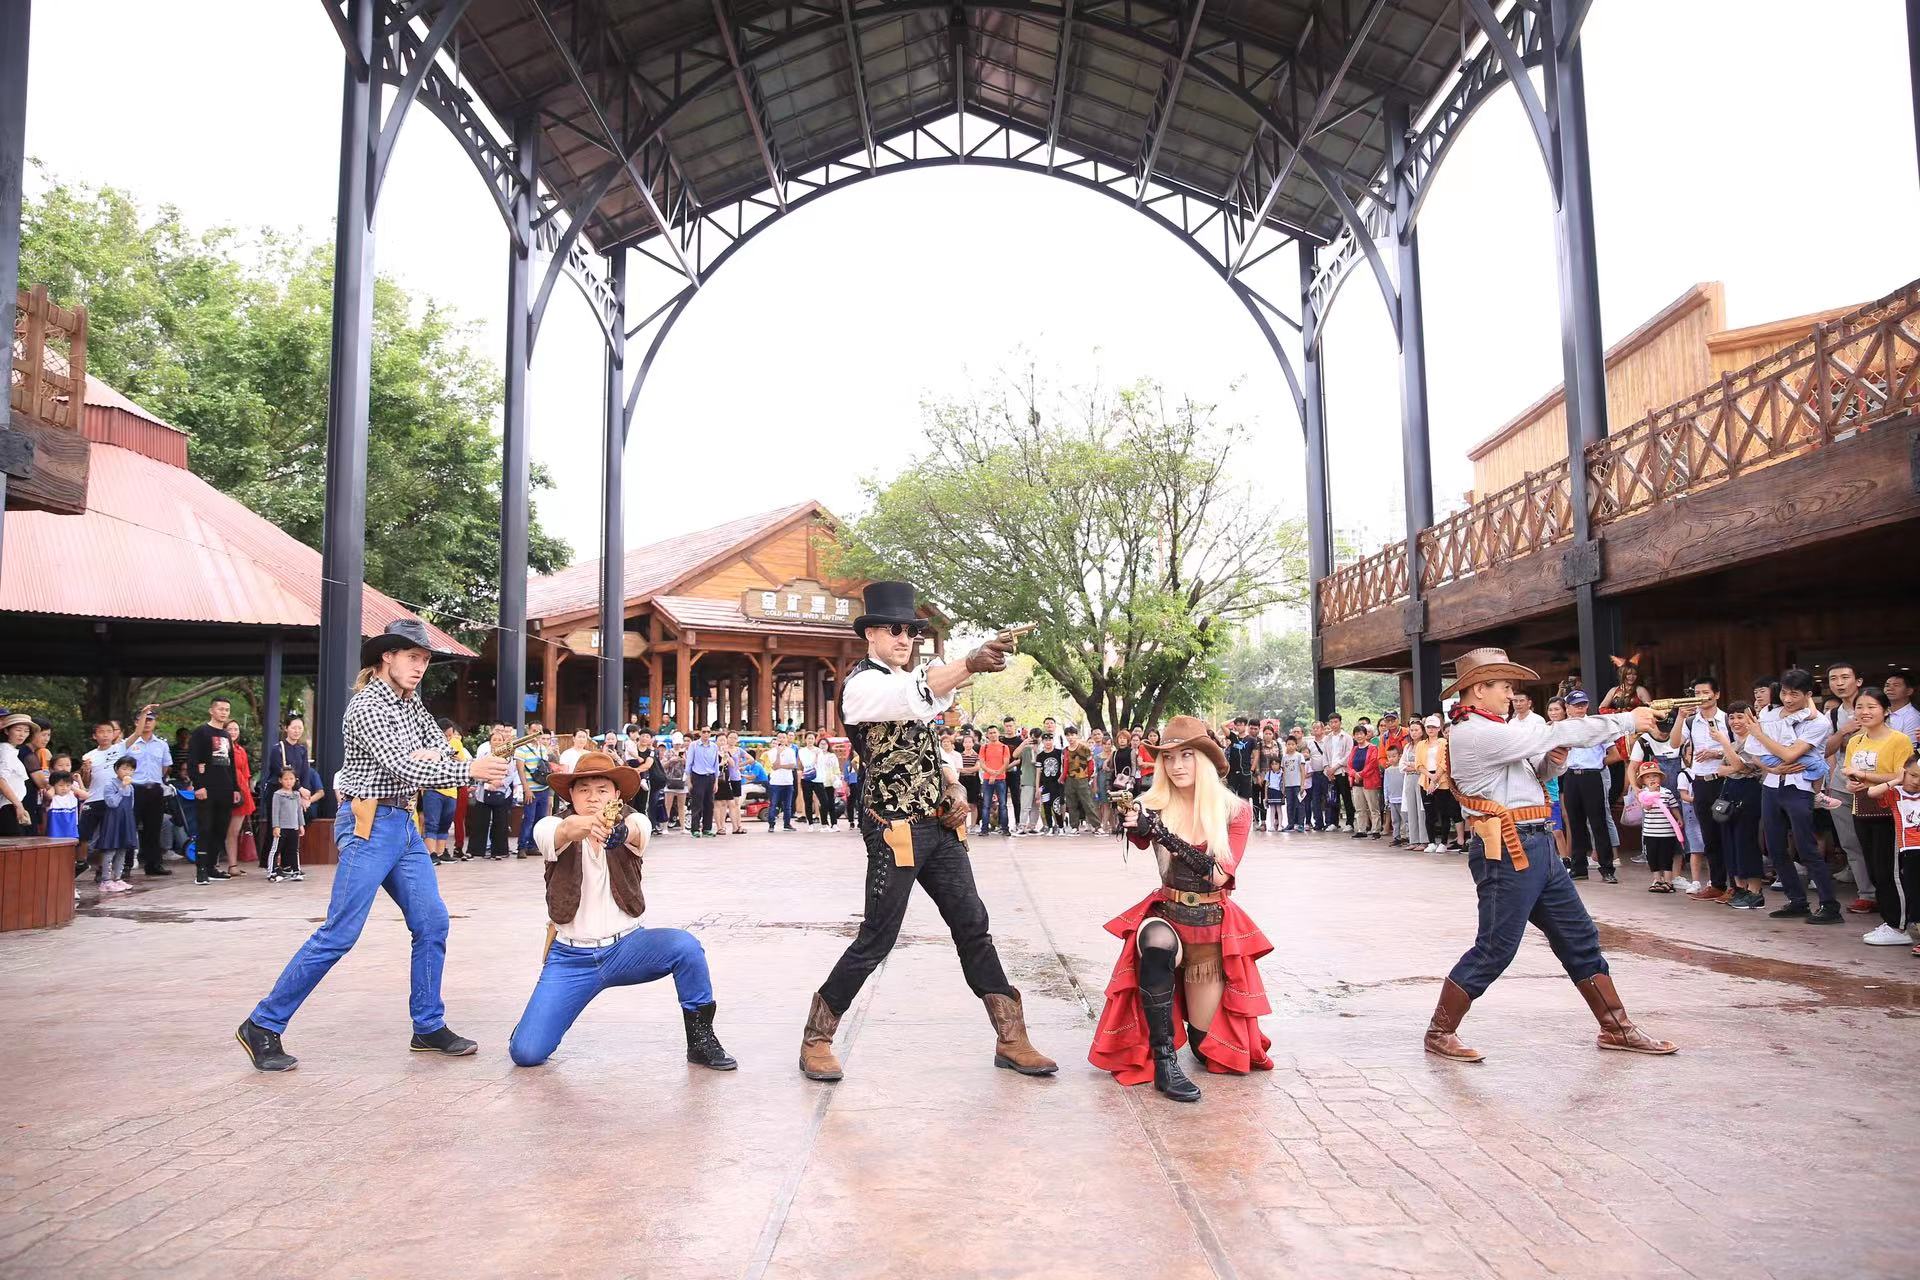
394,751
913,816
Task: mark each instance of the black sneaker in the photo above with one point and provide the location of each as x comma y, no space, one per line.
1829,913
1606,874
1747,900
1571,875
263,1046
217,874
1789,911
443,1041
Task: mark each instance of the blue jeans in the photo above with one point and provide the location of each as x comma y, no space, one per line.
573,976
438,812
394,858
990,789
538,802
779,803
1783,806
1317,789
1543,895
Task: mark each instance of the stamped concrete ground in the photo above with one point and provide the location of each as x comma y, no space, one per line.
1782,1141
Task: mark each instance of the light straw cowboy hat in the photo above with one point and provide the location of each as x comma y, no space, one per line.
1479,665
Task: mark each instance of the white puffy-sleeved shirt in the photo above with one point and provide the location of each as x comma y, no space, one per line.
1501,761
599,915
877,697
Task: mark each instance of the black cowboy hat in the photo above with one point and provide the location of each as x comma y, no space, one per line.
401,633
887,603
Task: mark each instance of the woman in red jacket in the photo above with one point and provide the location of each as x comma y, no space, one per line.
1188,959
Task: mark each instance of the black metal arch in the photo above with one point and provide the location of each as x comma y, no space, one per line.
1030,157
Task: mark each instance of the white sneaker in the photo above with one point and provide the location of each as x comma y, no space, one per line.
1436,847
1887,936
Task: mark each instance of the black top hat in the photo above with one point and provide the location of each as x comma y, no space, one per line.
887,603
401,633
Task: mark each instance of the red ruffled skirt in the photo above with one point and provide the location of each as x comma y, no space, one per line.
1234,1043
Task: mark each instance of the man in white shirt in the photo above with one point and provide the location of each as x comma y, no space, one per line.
1583,798
594,904
1903,717
1703,762
1794,732
913,816
783,771
1843,682
1339,748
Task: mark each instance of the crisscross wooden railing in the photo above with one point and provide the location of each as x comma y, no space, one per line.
49,359
1848,375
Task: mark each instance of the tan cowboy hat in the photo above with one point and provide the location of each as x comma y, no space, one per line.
596,764
14,719
1479,665
1190,731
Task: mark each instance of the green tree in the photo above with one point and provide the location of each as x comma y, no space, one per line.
1117,521
230,341
1276,676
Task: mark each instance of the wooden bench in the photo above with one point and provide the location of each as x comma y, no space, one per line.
36,882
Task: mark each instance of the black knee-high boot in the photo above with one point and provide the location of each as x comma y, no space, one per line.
1156,1001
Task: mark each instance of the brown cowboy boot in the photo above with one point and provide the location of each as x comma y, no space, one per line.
1616,1029
1013,1049
816,1042
1453,1006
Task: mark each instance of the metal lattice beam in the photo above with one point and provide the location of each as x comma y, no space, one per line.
1062,67
1167,99
755,106
858,66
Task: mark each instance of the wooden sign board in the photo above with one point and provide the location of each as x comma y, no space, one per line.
57,480
586,643
802,600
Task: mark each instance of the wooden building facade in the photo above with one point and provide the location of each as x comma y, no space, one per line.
738,625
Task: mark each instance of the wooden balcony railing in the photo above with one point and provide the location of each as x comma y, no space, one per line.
49,359
1847,376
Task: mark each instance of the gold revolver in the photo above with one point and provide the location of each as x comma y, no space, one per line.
1665,709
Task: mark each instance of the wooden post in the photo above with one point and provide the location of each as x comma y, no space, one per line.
763,693
683,687
549,682
656,691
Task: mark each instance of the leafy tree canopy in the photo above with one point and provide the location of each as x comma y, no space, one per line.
229,340
1116,520
1275,677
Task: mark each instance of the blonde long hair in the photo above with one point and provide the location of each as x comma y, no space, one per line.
1201,815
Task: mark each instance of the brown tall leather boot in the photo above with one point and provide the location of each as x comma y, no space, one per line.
1013,1049
1453,1006
816,1042
1616,1029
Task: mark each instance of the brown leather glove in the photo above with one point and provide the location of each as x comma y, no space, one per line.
989,657
954,809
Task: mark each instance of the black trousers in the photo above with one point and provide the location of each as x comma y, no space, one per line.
1013,793
149,803
1712,834
828,802
700,801
487,829
942,868
1343,797
286,850
1584,803
805,798
210,847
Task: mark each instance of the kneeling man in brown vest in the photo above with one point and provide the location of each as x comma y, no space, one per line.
594,902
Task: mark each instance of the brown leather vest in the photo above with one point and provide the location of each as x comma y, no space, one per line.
564,876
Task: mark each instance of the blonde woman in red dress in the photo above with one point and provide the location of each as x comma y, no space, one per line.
1187,972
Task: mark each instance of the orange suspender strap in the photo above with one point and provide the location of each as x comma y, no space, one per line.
1498,826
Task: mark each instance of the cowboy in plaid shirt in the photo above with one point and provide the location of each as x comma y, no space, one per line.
394,750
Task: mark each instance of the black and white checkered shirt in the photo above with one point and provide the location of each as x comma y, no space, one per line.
382,730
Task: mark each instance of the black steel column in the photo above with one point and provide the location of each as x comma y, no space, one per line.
344,541
270,695
511,670
15,26
1319,510
1913,69
613,538
1582,354
1415,445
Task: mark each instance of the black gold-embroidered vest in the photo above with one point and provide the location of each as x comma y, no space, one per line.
899,761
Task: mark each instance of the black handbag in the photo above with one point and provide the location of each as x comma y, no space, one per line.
1727,808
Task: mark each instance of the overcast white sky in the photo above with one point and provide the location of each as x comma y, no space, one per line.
1746,141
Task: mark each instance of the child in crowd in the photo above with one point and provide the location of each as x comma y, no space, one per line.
1275,782
1393,783
117,836
289,819
1293,768
63,807
1902,799
1660,828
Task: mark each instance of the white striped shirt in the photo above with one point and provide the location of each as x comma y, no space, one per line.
1655,821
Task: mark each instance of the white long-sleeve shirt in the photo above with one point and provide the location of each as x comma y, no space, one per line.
1504,762
879,696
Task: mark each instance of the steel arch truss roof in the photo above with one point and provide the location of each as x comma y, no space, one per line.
1270,109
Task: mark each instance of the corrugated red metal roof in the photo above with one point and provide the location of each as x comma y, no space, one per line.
111,418
159,543
652,569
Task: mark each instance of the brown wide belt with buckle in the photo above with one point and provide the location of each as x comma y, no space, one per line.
1187,898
